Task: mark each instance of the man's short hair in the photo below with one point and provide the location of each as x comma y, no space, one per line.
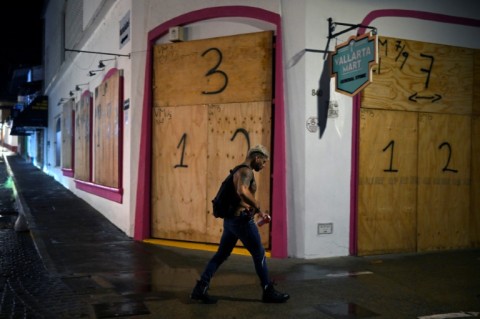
260,150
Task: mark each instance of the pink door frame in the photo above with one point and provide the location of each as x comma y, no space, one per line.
143,208
357,101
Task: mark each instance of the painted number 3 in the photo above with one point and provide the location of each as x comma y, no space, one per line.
215,70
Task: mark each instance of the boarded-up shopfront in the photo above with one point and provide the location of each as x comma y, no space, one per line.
419,149
212,100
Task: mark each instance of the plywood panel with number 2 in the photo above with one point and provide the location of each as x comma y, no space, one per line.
231,128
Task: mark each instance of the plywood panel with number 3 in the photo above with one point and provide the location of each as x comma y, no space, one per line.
444,181
231,127
217,70
387,183
178,174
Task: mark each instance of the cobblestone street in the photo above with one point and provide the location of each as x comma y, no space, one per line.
27,290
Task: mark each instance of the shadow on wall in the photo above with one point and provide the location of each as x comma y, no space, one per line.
323,92
323,95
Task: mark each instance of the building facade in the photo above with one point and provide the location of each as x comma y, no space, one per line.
152,102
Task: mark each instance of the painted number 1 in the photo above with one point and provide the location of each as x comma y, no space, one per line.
183,141
392,146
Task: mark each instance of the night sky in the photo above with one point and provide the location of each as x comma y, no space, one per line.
21,23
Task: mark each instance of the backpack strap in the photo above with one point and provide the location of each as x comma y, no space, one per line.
236,168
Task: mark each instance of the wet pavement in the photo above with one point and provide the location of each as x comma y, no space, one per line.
73,263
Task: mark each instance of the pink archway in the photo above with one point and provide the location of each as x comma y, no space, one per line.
143,208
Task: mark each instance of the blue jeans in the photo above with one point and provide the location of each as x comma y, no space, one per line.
235,228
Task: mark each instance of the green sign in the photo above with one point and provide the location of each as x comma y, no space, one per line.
352,64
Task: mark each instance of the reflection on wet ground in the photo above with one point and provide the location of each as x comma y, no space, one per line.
345,310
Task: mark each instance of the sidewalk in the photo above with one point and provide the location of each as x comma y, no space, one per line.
120,277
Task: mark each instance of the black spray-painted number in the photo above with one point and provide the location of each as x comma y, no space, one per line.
446,168
245,133
392,146
215,70
183,141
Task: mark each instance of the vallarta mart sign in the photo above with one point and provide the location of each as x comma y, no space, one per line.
352,63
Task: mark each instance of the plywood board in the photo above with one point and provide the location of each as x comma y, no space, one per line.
387,182
232,128
419,76
444,181
179,172
106,132
83,134
475,186
67,134
476,83
217,70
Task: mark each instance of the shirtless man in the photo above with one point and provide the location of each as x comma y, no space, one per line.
241,225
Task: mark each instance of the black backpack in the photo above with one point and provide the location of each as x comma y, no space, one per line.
227,197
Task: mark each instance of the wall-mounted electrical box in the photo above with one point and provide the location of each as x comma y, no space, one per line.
176,34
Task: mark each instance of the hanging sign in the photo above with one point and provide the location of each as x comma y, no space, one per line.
352,63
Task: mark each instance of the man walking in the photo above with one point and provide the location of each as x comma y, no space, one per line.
239,224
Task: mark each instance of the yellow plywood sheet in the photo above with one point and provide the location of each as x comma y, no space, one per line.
83,128
179,172
231,128
67,134
387,182
106,132
475,186
444,181
218,70
419,76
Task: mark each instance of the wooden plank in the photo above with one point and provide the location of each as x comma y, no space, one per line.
178,172
67,134
106,128
444,181
423,77
82,138
231,128
475,186
387,182
217,70
476,83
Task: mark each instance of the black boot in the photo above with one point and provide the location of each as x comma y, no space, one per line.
200,293
270,295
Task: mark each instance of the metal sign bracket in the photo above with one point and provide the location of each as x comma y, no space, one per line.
332,25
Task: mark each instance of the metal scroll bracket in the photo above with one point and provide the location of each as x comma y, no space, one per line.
332,25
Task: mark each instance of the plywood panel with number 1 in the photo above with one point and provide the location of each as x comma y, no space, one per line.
420,76
67,134
179,166
444,181
83,137
231,127
217,70
387,183
475,184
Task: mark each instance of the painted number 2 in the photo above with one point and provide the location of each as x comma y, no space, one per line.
446,168
215,70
